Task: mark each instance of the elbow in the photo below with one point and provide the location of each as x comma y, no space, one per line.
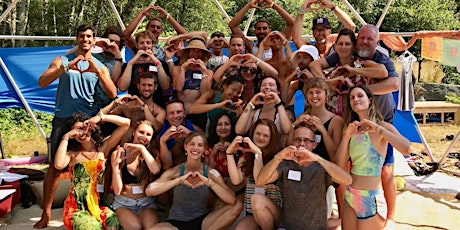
58,166
348,180
117,191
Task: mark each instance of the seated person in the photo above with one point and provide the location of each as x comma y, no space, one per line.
133,168
192,183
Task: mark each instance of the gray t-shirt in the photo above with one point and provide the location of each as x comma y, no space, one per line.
304,201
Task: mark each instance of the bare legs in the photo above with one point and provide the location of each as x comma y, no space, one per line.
389,189
49,188
266,214
223,217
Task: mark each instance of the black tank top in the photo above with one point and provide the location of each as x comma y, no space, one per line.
126,176
321,147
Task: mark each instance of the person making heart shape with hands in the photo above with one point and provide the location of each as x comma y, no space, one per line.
192,183
263,204
269,106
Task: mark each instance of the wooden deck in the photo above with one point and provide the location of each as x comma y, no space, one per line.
442,107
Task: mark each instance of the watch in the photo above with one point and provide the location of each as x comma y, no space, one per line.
118,59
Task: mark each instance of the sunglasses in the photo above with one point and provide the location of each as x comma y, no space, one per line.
248,69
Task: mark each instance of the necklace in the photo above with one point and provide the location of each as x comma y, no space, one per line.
89,158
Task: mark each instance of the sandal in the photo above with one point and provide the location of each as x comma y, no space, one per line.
454,155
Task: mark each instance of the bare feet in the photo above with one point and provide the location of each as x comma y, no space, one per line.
43,222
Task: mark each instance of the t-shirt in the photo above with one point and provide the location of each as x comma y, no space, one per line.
100,96
75,91
304,201
385,103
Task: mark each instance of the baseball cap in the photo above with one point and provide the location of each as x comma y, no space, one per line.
321,21
309,49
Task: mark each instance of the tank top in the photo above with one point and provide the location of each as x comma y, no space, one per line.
321,147
127,177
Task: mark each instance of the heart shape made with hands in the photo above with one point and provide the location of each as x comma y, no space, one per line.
193,180
315,5
82,66
103,43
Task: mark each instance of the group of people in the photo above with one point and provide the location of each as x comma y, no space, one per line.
262,135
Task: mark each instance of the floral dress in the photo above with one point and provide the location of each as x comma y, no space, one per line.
81,208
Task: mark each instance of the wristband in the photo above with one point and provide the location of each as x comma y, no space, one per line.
158,62
252,106
142,107
257,62
278,105
301,11
285,42
118,59
64,139
101,116
257,155
167,16
169,60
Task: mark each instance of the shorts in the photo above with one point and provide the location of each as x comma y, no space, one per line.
136,206
389,158
366,203
60,127
194,224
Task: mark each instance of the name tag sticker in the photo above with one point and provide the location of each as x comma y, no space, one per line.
294,175
100,188
258,190
197,76
317,138
153,68
137,190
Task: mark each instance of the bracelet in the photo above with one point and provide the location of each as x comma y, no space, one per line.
285,42
115,102
380,131
117,172
278,159
257,62
169,60
64,139
158,62
101,116
271,5
210,183
279,104
252,106
333,8
257,155
66,66
118,59
181,181
167,16
301,11
205,75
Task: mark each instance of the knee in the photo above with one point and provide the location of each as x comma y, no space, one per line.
387,173
132,224
257,202
236,208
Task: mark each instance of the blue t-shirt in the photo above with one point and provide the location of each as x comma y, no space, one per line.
75,92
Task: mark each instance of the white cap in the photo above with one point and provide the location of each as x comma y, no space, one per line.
309,49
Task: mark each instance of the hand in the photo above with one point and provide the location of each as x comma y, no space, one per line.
117,158
288,153
218,147
103,43
226,104
235,145
316,122
352,129
366,125
268,3
193,180
252,147
161,12
74,133
325,4
271,98
258,99
79,60
171,50
91,123
151,57
303,119
305,156
253,4
132,149
182,131
313,5
170,133
187,64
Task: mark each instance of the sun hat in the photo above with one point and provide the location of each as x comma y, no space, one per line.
196,42
309,49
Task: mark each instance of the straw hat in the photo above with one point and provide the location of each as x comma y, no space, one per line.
196,42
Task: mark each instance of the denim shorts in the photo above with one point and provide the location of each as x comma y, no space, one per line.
136,206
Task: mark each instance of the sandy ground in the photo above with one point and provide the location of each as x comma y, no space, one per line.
428,202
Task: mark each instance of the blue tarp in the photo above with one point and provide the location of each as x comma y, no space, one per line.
26,65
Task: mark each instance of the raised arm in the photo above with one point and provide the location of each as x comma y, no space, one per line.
245,119
54,71
235,172
104,77
341,15
117,182
123,126
164,14
298,25
285,15
234,24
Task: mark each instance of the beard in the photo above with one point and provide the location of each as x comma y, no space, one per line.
364,53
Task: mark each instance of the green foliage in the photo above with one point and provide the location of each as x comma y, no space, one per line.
452,75
16,122
452,97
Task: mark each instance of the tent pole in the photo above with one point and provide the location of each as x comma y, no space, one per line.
384,13
23,100
420,134
7,11
246,28
354,12
115,11
222,10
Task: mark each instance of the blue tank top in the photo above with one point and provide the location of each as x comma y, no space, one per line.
75,92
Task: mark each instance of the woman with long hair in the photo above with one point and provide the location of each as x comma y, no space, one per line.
192,183
348,70
365,141
266,104
263,204
85,151
133,168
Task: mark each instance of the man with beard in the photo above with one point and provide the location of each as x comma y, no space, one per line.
142,107
173,134
144,61
78,74
155,26
304,178
262,27
321,26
